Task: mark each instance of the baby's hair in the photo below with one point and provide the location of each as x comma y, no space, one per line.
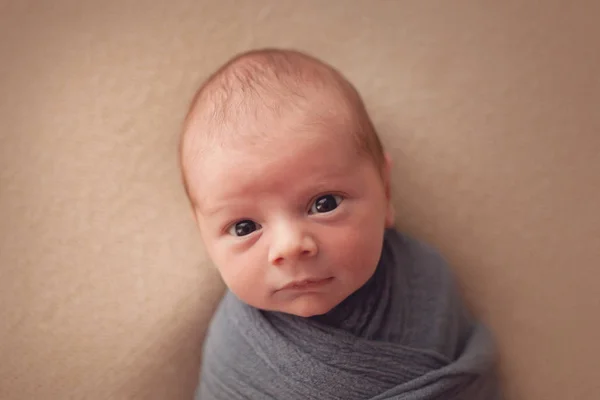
276,80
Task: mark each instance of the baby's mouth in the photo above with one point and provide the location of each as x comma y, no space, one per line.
306,284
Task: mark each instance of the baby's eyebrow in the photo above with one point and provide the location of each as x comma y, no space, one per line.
218,208
212,210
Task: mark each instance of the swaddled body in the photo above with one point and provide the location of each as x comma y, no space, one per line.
290,188
404,335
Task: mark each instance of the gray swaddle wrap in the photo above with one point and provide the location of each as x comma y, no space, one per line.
404,335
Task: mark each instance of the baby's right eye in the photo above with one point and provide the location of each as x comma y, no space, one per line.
243,228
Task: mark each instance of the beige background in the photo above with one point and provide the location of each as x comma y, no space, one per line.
490,112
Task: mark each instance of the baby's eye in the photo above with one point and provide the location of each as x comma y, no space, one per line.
243,228
325,204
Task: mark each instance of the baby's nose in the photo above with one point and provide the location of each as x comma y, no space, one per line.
291,246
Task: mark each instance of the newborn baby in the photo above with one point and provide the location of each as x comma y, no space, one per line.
290,187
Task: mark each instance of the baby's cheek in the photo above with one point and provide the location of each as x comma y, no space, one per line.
239,270
361,247
244,276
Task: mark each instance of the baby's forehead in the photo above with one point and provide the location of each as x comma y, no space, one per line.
226,172
266,136
270,134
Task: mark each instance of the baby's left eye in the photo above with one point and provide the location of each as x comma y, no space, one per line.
325,204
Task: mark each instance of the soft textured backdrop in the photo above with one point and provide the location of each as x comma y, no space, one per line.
490,111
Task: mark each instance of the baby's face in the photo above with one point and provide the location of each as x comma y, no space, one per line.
295,224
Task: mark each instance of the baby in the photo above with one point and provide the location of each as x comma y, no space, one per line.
290,187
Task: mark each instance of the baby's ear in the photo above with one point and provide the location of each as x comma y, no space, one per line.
390,216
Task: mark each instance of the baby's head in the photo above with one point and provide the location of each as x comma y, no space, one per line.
288,181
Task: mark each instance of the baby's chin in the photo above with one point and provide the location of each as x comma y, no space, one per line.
309,306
